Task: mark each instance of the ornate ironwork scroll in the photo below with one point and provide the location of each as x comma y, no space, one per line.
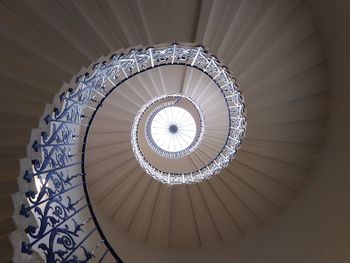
66,224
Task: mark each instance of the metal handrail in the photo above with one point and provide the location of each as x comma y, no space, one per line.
56,155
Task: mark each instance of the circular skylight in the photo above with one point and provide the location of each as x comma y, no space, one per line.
173,129
175,126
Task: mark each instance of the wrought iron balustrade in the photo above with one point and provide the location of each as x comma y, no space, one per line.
67,229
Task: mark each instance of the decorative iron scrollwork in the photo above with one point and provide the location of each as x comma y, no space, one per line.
61,234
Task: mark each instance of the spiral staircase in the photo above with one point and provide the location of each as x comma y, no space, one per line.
290,61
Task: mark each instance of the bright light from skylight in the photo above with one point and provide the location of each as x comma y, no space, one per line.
173,129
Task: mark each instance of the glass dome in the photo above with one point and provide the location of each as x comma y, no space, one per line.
173,129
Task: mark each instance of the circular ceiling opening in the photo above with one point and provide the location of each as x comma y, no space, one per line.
174,125
173,129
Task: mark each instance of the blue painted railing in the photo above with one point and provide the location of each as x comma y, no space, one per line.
66,228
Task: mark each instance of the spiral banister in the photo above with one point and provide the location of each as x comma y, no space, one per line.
65,228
